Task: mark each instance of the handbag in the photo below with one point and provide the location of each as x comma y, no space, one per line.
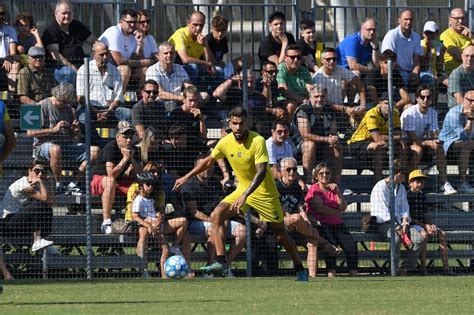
404,237
369,223
121,226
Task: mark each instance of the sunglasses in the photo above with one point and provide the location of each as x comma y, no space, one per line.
289,169
130,22
324,173
296,57
143,22
39,171
271,72
151,92
331,59
425,97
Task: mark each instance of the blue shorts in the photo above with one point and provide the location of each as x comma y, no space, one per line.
70,152
201,227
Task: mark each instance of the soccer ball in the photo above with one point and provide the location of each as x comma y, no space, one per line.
176,267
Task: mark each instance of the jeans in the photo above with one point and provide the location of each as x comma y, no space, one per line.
65,74
201,78
337,234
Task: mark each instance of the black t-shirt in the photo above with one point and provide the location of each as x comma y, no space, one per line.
234,97
320,121
70,44
374,78
151,115
111,153
269,46
290,196
177,116
418,206
179,161
307,50
218,48
207,195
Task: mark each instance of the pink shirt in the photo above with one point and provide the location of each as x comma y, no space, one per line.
329,199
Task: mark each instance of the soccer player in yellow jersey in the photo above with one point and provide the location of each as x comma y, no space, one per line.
247,154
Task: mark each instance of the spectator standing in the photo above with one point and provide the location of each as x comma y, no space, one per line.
404,42
457,137
357,50
455,38
35,81
63,39
273,46
325,203
461,79
379,207
420,131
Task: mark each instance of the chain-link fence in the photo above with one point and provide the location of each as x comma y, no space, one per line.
365,138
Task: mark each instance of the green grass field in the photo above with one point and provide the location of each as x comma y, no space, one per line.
365,295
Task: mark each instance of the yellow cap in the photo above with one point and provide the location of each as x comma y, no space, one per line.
416,174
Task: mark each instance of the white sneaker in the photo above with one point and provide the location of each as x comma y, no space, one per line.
347,192
466,188
448,189
175,250
41,243
106,228
228,273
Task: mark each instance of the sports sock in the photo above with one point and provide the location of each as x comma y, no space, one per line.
107,221
220,259
299,267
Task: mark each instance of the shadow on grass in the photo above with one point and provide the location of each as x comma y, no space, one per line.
106,302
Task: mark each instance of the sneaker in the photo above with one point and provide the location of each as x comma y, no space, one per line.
145,274
302,276
40,243
51,250
447,189
61,188
347,192
175,250
72,188
466,188
215,268
228,273
448,272
106,228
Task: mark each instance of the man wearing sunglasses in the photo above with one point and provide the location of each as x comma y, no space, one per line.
105,88
149,112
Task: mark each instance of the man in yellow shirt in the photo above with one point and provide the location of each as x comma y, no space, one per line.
369,143
457,37
247,154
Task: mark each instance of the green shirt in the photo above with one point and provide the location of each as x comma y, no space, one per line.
296,82
460,81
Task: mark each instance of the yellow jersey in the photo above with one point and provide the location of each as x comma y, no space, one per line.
451,38
182,39
374,121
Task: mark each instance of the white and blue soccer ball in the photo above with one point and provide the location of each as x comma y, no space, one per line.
176,267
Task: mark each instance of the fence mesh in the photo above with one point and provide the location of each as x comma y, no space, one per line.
92,153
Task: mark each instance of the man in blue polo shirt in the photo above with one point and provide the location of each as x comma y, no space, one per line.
357,50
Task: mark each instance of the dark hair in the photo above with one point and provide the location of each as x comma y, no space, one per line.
126,12
276,15
328,50
150,81
268,62
27,17
282,122
220,23
177,130
37,162
238,111
388,55
405,10
293,47
420,88
305,24
144,13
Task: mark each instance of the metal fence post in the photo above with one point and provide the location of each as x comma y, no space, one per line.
88,173
391,154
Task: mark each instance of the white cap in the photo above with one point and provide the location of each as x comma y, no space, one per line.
430,26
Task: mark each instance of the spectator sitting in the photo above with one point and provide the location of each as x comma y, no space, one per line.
105,89
194,53
218,44
150,218
171,77
278,146
201,195
461,79
379,207
315,126
455,39
26,207
369,143
9,61
325,203
294,80
457,136
58,141
150,51
267,86
273,46
149,112
28,35
189,114
403,41
309,46
63,39
338,81
114,171
35,81
126,48
8,133
420,131
376,81
357,50
4,269
419,216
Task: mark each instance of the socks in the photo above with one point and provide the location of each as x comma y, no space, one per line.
107,222
220,259
299,267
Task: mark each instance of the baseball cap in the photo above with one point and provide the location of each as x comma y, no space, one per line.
124,126
430,26
276,15
416,174
36,51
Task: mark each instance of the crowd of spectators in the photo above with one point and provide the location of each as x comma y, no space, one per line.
310,101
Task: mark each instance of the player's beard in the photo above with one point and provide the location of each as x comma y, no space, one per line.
242,136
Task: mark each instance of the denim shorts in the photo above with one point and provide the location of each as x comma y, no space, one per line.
70,152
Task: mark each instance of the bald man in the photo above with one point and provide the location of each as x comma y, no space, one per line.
461,79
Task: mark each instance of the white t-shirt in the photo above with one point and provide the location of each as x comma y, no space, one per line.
414,120
277,152
380,201
14,197
114,38
405,48
145,207
333,83
7,36
149,46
